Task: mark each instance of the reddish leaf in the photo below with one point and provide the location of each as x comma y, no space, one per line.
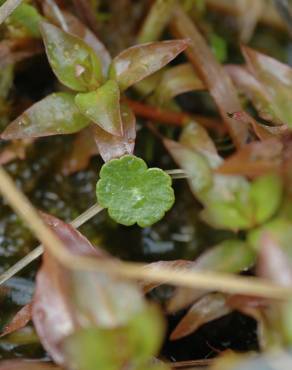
273,263
68,300
213,75
254,159
26,365
255,91
19,321
276,78
178,80
116,146
83,148
175,265
53,115
51,313
134,64
210,307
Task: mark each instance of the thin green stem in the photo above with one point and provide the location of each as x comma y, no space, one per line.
38,251
79,221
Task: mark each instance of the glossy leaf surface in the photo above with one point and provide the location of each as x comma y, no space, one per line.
74,62
103,107
133,193
134,64
55,114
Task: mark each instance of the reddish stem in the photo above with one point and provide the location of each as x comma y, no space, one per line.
172,118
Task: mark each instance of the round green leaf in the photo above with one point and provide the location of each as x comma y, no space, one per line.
133,193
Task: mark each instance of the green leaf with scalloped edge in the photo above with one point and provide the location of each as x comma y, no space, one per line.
73,61
56,114
132,193
103,107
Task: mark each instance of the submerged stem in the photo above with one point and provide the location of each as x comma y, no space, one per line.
38,251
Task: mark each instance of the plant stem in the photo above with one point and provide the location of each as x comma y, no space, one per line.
38,251
135,271
7,8
173,118
157,114
79,221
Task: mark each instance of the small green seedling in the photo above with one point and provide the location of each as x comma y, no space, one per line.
133,193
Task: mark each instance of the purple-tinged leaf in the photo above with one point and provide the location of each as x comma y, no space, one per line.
134,64
210,307
212,74
178,80
19,321
254,159
73,61
67,300
103,107
56,114
111,146
254,90
51,312
276,79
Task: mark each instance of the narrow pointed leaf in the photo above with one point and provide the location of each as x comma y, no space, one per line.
55,114
213,75
19,321
230,256
78,29
276,78
210,307
103,107
73,61
134,64
178,80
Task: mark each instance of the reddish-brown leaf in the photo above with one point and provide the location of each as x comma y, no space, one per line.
276,78
213,75
51,313
254,159
273,262
136,63
111,146
19,321
210,307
